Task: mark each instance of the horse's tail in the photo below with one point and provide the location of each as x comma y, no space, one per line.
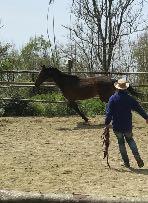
134,92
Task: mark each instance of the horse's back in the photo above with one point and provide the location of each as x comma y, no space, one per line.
95,80
88,88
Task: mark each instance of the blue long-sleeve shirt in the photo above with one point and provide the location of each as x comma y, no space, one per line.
119,111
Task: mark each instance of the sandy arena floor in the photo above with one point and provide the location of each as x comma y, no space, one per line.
62,155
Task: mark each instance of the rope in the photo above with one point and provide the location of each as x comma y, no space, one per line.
106,142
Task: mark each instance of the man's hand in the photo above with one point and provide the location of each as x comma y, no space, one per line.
107,126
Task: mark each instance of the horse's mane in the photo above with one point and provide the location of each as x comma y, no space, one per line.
76,80
67,77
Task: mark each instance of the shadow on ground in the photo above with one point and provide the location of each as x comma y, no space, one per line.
132,170
82,125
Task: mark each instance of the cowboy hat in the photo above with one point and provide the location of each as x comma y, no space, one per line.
121,84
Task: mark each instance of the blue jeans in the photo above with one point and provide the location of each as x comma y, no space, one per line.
121,137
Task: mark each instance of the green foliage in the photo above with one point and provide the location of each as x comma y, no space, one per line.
9,57
38,109
52,109
17,107
54,96
140,54
90,107
38,51
55,109
93,107
35,53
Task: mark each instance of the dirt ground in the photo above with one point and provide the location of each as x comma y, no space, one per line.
62,155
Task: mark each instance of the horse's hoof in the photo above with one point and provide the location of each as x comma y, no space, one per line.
87,123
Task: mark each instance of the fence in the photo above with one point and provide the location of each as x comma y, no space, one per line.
13,79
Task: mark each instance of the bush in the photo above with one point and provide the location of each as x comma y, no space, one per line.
53,109
38,109
90,107
93,107
17,107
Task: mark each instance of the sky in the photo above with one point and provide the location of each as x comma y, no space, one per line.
22,19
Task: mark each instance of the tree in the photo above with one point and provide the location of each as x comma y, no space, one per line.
39,51
140,50
100,25
7,54
35,52
9,60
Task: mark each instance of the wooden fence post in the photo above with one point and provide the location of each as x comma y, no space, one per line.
70,66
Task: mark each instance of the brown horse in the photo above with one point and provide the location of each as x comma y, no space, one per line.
75,88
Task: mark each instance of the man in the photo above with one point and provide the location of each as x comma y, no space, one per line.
118,111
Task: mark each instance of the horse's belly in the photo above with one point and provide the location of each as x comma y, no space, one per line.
80,93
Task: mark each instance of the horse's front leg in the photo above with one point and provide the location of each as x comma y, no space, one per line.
74,105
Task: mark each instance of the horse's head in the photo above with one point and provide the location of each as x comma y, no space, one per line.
45,74
42,76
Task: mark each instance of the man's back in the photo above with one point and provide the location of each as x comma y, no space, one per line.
119,111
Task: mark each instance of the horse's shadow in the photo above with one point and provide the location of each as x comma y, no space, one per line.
82,125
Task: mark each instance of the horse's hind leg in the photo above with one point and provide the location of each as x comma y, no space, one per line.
74,105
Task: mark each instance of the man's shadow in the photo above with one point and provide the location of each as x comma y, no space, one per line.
133,170
139,171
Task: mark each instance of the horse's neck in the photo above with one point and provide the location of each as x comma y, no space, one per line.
62,79
58,78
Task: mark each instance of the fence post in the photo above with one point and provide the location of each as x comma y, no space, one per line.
70,66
